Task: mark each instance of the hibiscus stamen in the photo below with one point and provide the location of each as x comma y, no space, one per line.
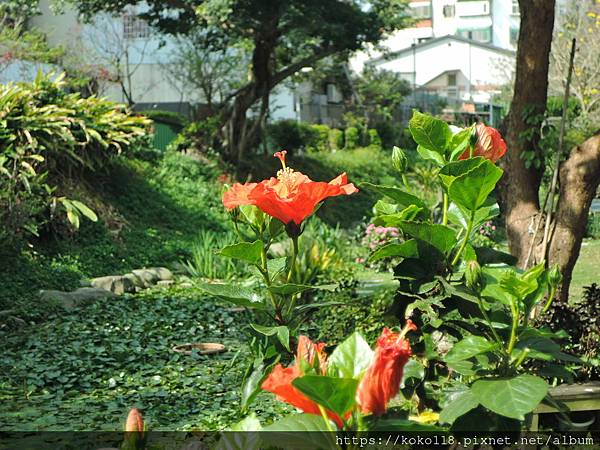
281,156
410,326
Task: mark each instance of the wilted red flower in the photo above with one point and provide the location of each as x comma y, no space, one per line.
381,381
134,423
291,197
279,381
489,144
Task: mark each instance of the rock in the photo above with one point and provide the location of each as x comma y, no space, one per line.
117,284
79,297
135,280
147,277
85,283
165,282
162,273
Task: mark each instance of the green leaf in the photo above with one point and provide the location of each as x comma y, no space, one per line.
276,265
441,237
292,289
411,212
335,394
282,333
431,155
400,197
252,385
350,358
487,255
472,189
469,347
407,249
455,169
429,132
235,294
85,211
302,432
511,397
458,404
412,369
250,423
460,143
246,251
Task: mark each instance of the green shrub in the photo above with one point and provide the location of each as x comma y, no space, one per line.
351,138
206,263
201,137
169,117
292,135
320,137
336,139
47,134
374,139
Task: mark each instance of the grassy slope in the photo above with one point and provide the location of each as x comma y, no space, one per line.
586,269
159,208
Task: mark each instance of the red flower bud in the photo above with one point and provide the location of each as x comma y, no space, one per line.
489,144
381,381
134,423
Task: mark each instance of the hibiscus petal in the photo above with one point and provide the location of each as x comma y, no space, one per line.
237,195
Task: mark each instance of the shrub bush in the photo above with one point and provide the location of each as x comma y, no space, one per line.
336,139
291,135
320,137
47,134
351,138
374,139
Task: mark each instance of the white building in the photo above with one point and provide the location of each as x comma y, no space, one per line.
144,55
462,50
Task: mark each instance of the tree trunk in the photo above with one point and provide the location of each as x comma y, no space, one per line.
520,185
579,179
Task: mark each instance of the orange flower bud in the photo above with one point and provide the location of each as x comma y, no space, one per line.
381,381
134,423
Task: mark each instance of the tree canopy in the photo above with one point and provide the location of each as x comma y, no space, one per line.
284,37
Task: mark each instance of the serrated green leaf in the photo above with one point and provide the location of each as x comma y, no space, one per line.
335,394
246,251
350,358
407,249
429,132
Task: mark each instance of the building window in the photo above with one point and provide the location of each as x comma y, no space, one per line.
480,35
451,79
134,27
515,7
449,10
514,36
421,11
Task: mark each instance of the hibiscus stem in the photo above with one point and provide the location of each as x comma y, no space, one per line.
465,240
445,210
294,256
325,418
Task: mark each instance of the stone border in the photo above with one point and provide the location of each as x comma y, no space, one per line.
111,286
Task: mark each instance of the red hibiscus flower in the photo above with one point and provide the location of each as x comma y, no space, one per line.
381,381
291,197
279,381
489,144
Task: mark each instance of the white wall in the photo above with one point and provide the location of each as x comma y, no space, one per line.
485,68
